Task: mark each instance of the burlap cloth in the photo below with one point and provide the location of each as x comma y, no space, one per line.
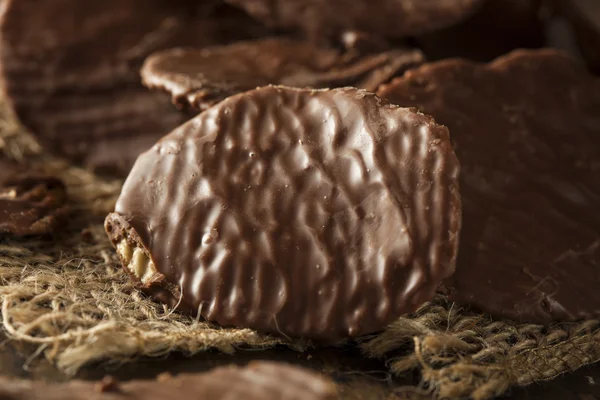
70,299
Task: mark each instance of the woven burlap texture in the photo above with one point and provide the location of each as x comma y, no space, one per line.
70,299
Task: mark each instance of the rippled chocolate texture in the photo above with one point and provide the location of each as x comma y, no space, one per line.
526,129
321,214
201,78
71,70
331,18
260,380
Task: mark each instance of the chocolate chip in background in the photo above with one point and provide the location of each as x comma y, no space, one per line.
526,130
498,27
71,69
32,205
200,78
260,380
321,214
323,20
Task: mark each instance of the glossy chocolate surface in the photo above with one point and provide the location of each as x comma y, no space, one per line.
321,214
319,19
71,70
526,129
260,380
201,78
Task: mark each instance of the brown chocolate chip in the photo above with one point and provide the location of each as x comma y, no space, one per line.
201,78
72,74
32,205
526,129
322,214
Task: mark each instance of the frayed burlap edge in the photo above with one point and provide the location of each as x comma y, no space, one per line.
71,300
462,354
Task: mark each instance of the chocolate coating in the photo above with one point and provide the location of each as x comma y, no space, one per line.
31,205
71,70
331,18
321,214
258,381
201,78
526,130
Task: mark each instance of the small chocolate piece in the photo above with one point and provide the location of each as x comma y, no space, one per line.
585,18
31,205
201,78
322,214
71,70
258,381
497,28
329,19
526,129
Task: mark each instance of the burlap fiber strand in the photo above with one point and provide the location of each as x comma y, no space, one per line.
70,299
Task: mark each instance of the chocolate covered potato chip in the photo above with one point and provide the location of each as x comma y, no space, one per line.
526,129
321,214
70,69
200,78
31,205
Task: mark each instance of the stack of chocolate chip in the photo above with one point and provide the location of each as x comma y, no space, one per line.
330,165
